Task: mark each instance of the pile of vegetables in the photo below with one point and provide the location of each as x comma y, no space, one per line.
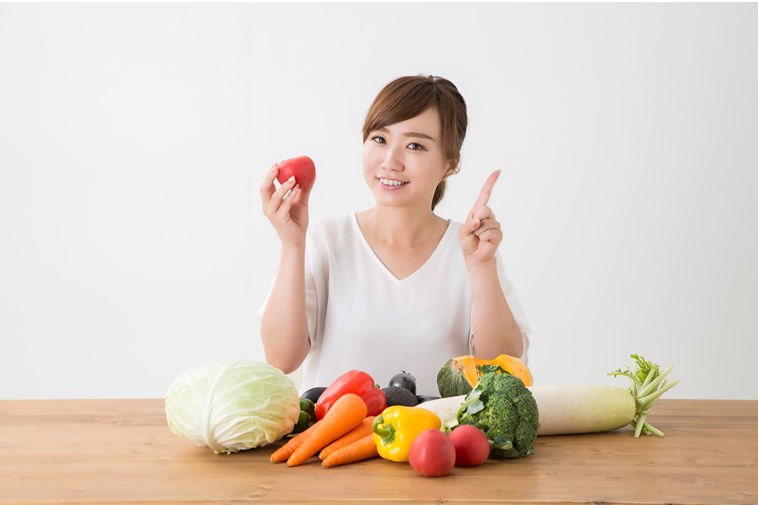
235,405
569,409
401,434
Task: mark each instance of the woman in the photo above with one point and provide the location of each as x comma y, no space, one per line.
389,288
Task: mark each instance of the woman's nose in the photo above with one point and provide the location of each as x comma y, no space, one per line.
393,159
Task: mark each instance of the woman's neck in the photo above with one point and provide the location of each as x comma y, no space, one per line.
400,226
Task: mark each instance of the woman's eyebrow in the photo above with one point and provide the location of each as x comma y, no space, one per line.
411,134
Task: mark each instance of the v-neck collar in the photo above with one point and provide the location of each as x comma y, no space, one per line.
383,268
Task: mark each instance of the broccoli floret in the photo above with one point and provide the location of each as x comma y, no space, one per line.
502,407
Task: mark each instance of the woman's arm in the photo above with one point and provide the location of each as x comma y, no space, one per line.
284,327
495,328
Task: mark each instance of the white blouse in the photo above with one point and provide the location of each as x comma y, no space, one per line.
362,317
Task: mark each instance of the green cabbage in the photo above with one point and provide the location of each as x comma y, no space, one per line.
232,405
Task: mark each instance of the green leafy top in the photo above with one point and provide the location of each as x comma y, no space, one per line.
483,369
644,382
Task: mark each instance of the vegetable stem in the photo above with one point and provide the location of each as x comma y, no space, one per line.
640,425
648,379
653,385
386,431
645,393
651,429
502,447
632,386
463,411
649,400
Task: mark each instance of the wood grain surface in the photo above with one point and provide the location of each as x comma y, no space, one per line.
122,452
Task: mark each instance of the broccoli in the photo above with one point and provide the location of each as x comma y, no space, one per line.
505,410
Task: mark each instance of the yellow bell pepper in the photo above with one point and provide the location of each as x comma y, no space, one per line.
397,427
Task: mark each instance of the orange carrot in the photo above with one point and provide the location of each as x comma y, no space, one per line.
348,438
364,448
285,451
344,415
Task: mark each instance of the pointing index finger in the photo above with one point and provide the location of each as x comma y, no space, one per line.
484,196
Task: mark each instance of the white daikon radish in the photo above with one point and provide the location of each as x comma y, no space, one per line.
446,409
568,409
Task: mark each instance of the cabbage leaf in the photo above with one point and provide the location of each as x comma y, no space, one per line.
232,405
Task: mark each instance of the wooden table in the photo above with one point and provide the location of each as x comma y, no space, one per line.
122,451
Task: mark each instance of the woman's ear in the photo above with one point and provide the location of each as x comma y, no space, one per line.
451,166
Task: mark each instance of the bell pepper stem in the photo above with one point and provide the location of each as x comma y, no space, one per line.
386,431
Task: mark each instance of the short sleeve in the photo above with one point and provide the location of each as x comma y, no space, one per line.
311,300
516,309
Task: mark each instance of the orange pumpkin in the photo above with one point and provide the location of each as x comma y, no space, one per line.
460,375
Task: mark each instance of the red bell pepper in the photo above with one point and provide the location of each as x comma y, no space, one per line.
358,383
375,401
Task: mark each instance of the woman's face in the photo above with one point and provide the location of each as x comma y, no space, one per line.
403,163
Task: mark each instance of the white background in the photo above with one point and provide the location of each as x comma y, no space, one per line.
133,140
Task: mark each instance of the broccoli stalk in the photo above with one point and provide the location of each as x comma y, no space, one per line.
645,380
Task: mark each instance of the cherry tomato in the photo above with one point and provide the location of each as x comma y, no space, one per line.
301,167
432,454
471,445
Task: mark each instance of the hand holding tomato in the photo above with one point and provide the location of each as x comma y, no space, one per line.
301,168
287,206
480,235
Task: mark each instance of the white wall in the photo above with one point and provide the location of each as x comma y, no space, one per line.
133,139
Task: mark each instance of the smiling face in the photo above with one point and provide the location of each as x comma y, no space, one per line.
404,162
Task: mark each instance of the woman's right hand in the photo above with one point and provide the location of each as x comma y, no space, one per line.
289,214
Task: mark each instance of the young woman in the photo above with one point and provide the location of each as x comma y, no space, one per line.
390,288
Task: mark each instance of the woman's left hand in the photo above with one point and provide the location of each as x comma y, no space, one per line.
480,235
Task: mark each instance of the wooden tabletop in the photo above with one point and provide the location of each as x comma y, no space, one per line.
122,451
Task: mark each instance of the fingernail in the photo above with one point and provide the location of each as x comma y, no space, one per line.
476,223
291,179
274,169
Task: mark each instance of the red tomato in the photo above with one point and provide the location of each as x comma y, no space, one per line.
432,454
471,445
301,167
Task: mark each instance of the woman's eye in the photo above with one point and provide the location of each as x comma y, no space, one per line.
414,146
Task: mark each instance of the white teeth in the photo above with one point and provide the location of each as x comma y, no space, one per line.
388,182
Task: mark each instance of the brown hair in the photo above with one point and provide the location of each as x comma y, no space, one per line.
407,97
